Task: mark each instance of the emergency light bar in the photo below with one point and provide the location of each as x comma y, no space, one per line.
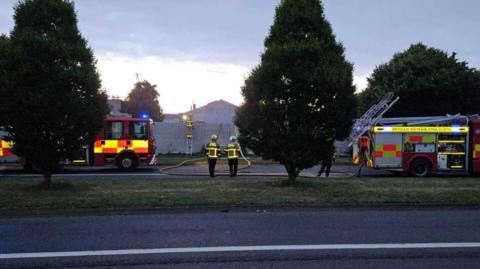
420,129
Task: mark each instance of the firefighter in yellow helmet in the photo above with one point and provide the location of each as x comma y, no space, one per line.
232,150
213,152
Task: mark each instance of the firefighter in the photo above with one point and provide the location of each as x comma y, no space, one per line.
213,152
232,150
327,163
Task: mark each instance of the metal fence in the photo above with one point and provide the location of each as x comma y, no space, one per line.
171,137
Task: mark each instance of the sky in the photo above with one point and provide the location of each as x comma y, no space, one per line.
202,50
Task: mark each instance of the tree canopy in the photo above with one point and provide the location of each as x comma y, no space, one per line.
423,75
143,98
300,98
4,81
53,104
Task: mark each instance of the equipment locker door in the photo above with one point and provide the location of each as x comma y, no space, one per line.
388,150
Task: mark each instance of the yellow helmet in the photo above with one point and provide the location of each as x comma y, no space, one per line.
213,137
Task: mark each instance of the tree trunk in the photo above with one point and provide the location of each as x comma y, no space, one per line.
47,176
292,174
292,178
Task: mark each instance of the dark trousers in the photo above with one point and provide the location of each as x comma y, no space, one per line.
326,168
233,166
211,166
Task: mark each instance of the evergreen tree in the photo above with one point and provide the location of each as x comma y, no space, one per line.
4,81
53,105
143,98
423,74
301,96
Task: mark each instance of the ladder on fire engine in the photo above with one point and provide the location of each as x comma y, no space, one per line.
372,116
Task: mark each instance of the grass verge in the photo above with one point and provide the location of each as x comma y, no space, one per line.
26,194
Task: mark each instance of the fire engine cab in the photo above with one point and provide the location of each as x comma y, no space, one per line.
124,142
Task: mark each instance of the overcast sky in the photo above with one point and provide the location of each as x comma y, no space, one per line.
202,50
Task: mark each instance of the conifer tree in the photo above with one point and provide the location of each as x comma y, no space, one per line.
54,102
300,98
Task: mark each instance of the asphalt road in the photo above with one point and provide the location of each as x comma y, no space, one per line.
317,238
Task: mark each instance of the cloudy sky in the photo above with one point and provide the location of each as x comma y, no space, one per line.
202,50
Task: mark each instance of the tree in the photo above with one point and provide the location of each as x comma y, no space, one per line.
4,81
143,98
53,105
301,96
423,75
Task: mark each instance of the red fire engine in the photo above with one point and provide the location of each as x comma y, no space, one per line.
418,146
124,142
421,149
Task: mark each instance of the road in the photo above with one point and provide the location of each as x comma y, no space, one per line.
315,238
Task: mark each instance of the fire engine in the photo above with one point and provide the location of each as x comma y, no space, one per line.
418,146
124,142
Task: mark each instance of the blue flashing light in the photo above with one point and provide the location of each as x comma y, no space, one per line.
144,116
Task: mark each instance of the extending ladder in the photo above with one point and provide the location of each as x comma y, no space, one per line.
372,116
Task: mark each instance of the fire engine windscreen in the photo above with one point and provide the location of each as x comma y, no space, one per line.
114,130
138,130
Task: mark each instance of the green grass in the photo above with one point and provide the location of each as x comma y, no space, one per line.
18,195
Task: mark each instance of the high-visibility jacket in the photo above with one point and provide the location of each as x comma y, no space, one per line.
232,150
213,150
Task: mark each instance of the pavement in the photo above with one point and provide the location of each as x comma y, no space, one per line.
199,171
297,238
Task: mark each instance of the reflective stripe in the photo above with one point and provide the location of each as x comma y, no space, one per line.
476,151
111,144
140,146
356,159
6,144
117,146
389,154
451,153
140,143
388,150
420,129
418,138
5,148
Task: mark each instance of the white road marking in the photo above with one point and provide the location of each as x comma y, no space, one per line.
84,175
238,249
116,174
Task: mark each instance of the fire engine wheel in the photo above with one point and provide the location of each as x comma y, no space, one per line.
127,162
420,168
